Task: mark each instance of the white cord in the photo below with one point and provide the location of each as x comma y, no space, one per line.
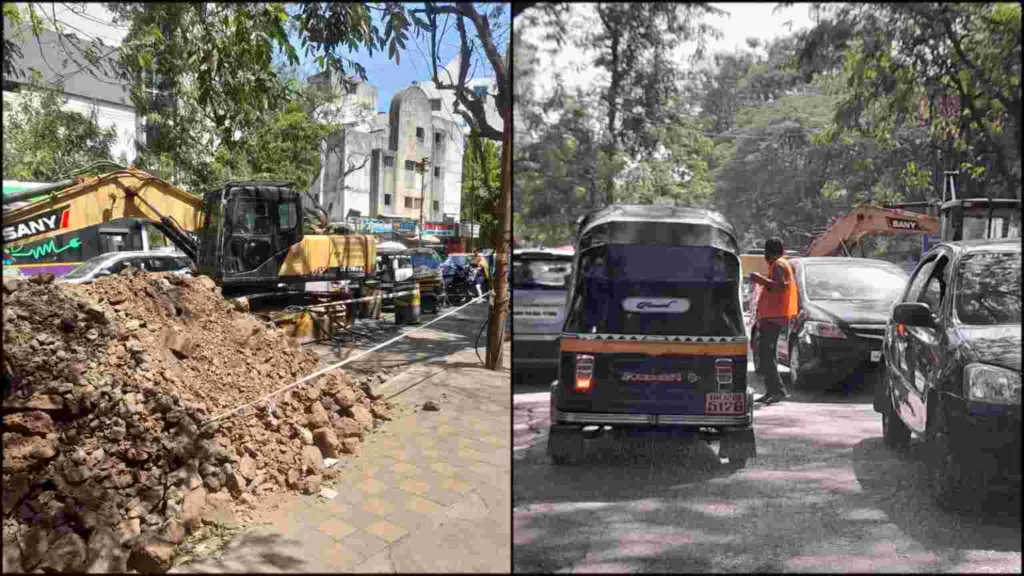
323,371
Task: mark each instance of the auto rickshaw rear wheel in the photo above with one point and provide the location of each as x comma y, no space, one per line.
565,444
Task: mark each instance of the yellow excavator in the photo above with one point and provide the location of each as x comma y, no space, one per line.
958,219
247,236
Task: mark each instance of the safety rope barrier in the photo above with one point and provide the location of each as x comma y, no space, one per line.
337,365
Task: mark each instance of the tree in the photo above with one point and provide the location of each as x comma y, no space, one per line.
45,142
202,76
481,185
954,68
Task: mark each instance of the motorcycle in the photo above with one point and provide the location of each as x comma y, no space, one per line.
460,286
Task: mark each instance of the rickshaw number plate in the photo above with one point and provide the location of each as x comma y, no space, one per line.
724,404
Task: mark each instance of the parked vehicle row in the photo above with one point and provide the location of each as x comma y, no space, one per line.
638,344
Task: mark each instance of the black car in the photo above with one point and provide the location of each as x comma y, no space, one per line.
952,368
844,304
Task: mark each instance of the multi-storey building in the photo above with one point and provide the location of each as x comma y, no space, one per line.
406,163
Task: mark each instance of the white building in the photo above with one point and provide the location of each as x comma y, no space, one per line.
384,151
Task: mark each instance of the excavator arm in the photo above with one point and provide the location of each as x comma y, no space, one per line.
92,201
867,219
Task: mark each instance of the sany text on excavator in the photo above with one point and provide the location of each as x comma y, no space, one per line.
245,235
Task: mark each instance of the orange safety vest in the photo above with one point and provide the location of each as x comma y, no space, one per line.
779,304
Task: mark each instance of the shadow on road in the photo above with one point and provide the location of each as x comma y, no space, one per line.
822,496
897,484
446,337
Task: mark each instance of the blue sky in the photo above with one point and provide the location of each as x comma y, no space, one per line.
390,78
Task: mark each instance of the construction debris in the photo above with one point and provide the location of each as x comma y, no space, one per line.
109,453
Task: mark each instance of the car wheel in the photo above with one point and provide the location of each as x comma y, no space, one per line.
797,376
895,433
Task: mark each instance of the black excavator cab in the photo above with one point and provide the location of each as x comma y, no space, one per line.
247,230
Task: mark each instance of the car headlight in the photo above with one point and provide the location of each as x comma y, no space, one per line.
991,384
824,329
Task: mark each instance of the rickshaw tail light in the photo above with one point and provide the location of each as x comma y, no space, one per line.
584,370
723,371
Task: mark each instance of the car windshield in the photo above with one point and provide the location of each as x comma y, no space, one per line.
852,282
541,274
989,289
88,267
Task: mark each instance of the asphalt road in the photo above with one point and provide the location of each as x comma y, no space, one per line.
823,495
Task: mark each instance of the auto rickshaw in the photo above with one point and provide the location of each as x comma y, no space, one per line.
394,270
653,338
426,271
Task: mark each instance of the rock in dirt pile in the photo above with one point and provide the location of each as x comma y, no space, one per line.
109,458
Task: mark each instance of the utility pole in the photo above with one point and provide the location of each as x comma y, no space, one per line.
423,193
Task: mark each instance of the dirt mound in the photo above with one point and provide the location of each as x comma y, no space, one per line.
109,455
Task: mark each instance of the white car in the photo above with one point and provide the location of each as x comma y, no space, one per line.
113,263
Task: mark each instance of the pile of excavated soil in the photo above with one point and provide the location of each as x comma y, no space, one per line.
109,455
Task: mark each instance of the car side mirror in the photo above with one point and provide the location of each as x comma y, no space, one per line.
913,314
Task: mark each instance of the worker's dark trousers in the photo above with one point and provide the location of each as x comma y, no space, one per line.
768,338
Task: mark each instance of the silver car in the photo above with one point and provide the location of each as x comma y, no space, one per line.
112,263
539,278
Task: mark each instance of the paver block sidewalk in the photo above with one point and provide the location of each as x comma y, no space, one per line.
431,492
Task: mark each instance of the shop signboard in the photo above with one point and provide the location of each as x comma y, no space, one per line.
441,230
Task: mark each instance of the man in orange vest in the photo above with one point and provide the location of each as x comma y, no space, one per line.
776,307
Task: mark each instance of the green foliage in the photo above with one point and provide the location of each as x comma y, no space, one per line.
634,140
481,185
202,77
12,50
43,142
905,64
332,29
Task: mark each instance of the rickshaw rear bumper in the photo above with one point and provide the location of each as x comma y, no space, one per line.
686,420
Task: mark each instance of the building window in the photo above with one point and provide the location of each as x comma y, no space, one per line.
437,205
387,199
408,201
437,171
417,203
419,134
389,161
435,105
438,139
410,165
